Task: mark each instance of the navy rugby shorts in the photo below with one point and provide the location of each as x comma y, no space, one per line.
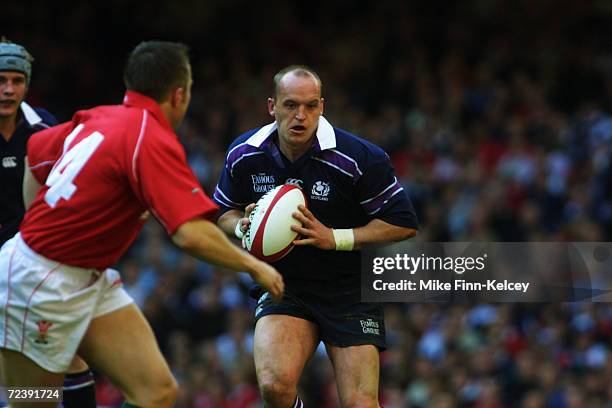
341,324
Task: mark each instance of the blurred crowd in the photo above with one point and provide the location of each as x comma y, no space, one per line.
497,117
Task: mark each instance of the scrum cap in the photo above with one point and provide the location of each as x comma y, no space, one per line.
14,57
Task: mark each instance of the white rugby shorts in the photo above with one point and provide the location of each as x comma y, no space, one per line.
46,307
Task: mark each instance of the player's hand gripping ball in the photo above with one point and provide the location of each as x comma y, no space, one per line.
269,236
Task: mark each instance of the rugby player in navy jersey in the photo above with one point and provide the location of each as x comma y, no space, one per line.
354,199
18,121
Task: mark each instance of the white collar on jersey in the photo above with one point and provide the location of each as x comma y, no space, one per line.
325,134
30,114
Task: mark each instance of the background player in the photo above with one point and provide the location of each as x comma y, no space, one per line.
353,199
18,121
102,173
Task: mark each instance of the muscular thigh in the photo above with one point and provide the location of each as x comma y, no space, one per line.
357,371
283,346
122,345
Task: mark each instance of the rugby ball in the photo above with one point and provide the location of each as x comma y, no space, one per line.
269,236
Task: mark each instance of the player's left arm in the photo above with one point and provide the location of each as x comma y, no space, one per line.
376,231
43,149
381,197
30,184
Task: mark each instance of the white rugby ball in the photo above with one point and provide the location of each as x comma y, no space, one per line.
269,236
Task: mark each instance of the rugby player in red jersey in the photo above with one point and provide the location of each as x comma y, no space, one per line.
18,121
101,174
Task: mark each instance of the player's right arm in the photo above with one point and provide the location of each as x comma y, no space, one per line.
166,185
202,239
229,220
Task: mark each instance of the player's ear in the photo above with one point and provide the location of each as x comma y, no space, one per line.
322,105
271,107
178,96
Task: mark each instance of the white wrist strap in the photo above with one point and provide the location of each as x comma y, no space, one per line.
238,230
345,239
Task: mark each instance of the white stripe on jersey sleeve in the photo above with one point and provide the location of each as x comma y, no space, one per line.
45,163
348,158
143,126
240,158
224,199
333,165
381,193
386,201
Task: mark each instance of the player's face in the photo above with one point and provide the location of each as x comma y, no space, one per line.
297,109
13,87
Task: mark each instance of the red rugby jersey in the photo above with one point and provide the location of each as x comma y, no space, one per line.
101,172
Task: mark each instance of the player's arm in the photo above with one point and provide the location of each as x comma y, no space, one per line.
378,231
202,239
160,171
378,192
316,234
43,149
30,184
229,221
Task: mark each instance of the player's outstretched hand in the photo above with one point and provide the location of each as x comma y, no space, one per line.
270,279
312,231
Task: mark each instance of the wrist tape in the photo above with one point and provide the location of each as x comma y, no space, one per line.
238,230
345,239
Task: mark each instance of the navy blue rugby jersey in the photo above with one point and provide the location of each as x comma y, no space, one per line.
347,181
12,153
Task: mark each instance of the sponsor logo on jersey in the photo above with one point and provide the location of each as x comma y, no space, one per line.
9,161
370,326
262,183
294,181
43,328
320,191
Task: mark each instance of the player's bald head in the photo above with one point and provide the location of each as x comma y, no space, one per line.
297,70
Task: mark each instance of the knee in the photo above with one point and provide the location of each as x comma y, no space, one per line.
167,393
361,401
162,393
276,392
77,365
